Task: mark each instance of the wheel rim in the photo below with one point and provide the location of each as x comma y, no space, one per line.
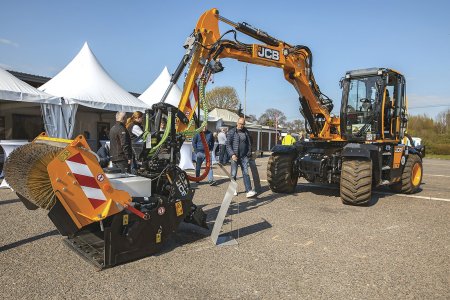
416,174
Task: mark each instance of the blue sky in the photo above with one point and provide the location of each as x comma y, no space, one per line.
134,40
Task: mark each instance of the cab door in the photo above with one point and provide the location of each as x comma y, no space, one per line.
394,108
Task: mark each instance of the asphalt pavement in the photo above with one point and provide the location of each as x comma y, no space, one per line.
306,245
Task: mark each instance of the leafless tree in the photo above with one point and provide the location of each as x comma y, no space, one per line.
270,116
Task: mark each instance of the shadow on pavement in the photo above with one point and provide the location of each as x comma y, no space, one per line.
9,201
186,234
28,240
248,230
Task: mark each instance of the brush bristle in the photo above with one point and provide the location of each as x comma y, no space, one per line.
26,172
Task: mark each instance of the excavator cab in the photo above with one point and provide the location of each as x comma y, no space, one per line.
373,105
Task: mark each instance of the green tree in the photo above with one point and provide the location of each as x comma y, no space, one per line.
435,134
223,97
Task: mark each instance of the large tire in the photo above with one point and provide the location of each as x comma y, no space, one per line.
282,173
411,176
356,181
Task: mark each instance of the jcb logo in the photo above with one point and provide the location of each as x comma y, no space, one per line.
268,53
181,188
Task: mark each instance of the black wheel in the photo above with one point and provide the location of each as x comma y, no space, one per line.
282,173
411,176
356,181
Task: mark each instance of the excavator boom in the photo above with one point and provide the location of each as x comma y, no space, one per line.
207,46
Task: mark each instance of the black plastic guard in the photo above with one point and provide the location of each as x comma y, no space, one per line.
286,149
358,150
61,219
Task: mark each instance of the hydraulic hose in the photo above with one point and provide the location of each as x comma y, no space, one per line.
164,137
207,158
202,100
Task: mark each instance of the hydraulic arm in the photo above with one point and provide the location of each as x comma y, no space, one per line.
206,46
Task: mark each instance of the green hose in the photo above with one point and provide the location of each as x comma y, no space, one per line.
202,99
164,137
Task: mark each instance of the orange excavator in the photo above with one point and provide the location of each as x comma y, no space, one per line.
358,150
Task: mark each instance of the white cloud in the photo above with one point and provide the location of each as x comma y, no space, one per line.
8,42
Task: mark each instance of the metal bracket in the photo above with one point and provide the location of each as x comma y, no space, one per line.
224,240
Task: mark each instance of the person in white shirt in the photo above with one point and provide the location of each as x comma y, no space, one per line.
222,139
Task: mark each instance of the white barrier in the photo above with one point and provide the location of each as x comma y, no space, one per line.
8,147
186,156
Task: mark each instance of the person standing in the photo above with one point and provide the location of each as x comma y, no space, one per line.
200,153
239,148
222,139
134,126
288,139
120,145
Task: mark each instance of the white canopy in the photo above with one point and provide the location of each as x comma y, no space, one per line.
224,114
84,81
228,117
14,89
154,93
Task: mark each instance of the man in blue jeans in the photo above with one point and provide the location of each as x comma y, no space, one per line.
200,153
239,148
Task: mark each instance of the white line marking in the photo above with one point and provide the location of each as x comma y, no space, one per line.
377,192
437,175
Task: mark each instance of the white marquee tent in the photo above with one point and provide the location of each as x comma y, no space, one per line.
154,93
14,89
84,82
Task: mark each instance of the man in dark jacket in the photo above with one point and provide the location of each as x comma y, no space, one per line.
120,145
239,148
200,153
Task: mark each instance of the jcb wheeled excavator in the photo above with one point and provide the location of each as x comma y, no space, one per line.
361,149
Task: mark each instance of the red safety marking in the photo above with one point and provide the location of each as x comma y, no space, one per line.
86,181
77,158
96,203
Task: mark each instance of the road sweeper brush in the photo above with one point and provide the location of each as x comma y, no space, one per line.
108,217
